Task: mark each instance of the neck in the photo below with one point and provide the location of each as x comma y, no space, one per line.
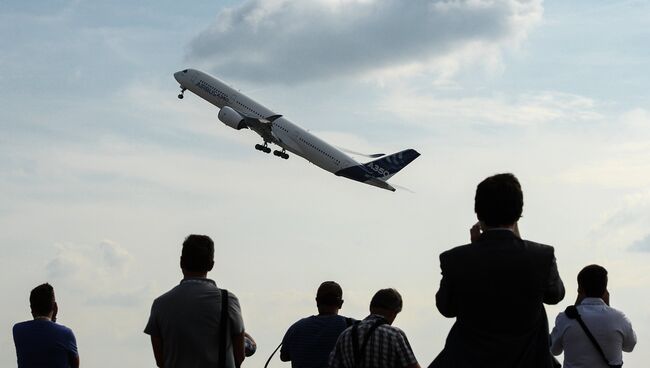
327,311
504,227
47,317
387,314
194,275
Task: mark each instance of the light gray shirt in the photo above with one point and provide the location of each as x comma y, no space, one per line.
610,327
187,319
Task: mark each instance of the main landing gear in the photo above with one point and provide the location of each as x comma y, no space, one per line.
180,95
282,154
262,148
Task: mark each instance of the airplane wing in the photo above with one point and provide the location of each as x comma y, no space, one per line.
262,126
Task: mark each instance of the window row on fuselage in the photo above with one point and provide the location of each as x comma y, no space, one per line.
321,151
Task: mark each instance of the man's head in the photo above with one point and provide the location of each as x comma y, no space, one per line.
197,256
499,201
329,297
387,303
41,301
592,281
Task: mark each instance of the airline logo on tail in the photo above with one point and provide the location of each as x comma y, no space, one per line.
378,171
388,166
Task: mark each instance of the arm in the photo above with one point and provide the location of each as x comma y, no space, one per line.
285,356
157,346
445,297
557,334
74,361
629,337
554,290
238,348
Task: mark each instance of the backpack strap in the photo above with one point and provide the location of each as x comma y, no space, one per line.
358,354
223,328
572,312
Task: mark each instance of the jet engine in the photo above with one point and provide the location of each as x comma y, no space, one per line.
232,118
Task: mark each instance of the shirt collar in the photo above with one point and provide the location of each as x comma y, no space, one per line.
592,301
198,280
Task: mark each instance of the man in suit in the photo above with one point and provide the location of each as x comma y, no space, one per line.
495,287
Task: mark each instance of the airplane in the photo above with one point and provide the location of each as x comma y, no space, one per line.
238,111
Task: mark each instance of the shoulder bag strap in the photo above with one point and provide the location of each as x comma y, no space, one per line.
572,312
359,354
223,328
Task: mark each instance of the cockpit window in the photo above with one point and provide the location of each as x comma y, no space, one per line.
185,71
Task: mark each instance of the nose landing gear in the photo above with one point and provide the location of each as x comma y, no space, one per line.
180,95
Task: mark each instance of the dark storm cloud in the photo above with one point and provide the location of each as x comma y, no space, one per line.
291,40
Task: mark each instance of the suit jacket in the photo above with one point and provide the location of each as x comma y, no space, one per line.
495,288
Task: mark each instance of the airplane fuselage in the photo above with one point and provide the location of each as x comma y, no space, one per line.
285,133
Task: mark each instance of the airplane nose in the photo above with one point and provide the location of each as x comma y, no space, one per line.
178,76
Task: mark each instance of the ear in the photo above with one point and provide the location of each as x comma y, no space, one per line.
211,266
340,304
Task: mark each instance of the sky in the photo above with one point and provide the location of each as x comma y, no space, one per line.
104,171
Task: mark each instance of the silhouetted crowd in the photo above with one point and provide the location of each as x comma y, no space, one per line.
495,287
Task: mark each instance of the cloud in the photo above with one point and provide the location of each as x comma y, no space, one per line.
293,41
522,110
114,256
642,245
98,272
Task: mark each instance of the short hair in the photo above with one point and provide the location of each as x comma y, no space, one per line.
499,200
198,253
592,280
41,300
388,299
329,293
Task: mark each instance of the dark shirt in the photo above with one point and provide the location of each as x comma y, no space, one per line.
309,341
42,343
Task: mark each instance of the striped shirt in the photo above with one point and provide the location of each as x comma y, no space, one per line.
308,342
387,347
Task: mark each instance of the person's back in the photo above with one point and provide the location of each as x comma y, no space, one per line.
499,282
609,326
187,317
309,341
495,287
374,342
185,323
42,342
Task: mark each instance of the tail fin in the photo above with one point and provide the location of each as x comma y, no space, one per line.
384,168
378,171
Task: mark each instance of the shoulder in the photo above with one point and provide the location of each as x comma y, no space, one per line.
538,247
391,330
231,295
21,326
455,252
171,294
63,330
617,314
302,322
